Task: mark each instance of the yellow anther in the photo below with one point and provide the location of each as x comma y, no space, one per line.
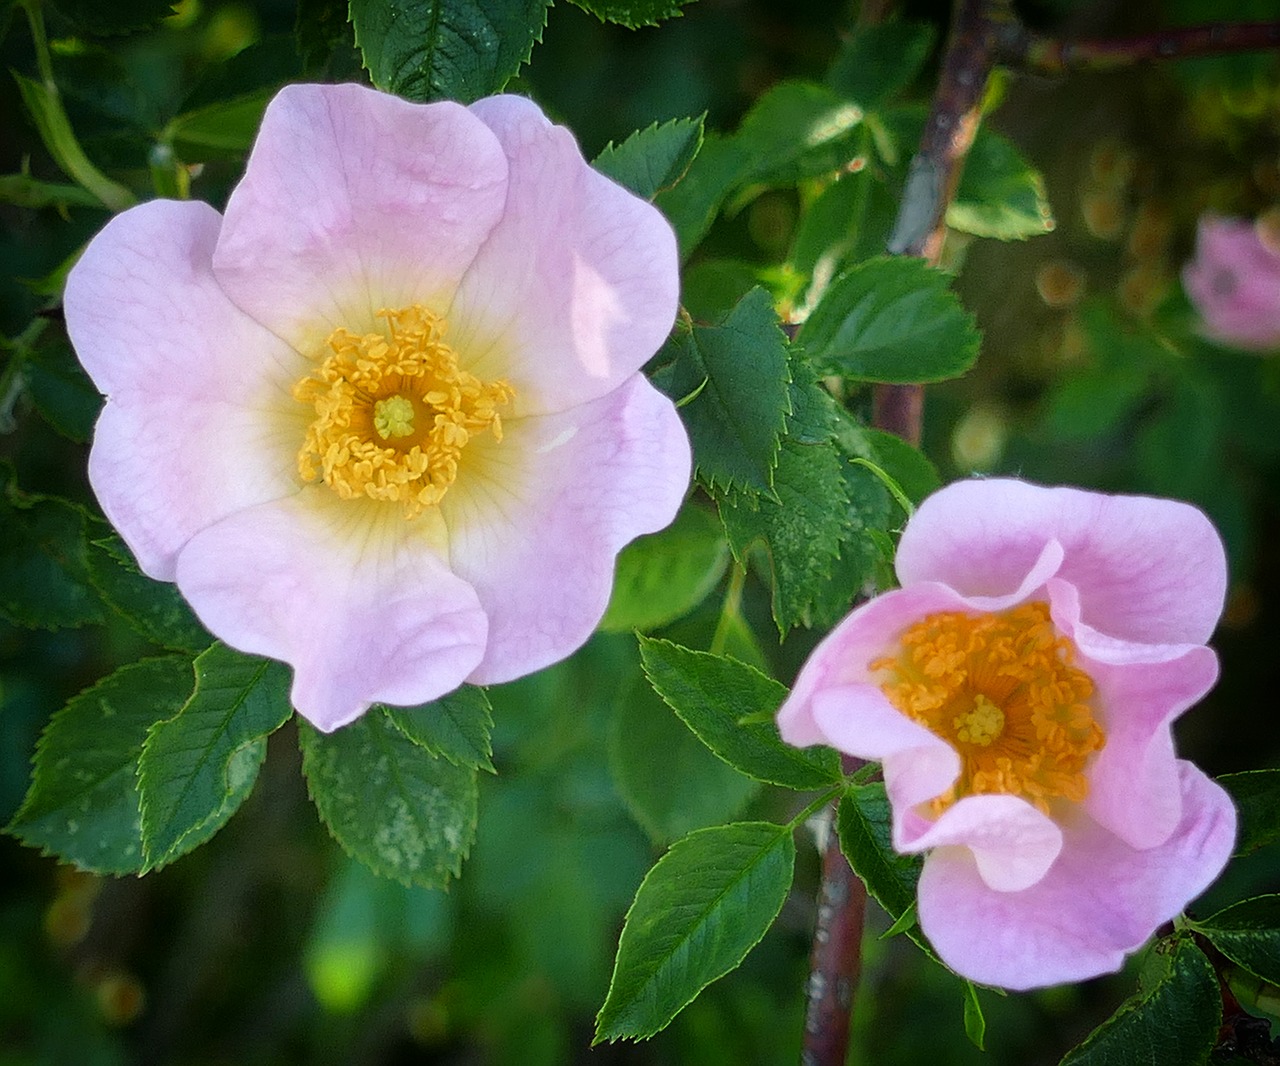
393,412
1002,688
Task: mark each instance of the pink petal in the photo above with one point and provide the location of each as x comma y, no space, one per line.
577,286
348,593
199,422
536,521
982,536
354,200
1099,901
1012,843
1234,282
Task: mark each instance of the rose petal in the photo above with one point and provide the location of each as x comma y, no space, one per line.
1099,901
199,422
352,201
577,286
536,521
348,593
1234,282
980,536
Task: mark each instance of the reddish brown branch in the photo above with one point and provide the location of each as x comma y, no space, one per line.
1024,50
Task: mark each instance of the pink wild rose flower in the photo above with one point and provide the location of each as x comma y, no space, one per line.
384,420
1234,282
1019,689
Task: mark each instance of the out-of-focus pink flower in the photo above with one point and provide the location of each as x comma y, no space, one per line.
384,419
1019,689
1234,283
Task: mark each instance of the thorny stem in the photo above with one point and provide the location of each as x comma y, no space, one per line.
983,33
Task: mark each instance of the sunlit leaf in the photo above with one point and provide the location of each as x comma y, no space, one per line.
653,159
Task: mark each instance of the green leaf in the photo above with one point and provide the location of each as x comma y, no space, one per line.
691,206
907,465
446,49
666,776
1000,194
22,190
722,700
739,372
633,13
455,727
60,389
45,107
1248,933
389,802
975,1023
702,907
665,575
83,802
865,828
44,573
198,766
154,608
878,62
103,17
1175,1020
796,130
226,128
802,532
891,319
1256,794
654,159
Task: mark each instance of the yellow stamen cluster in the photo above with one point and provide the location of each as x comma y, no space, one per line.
1002,690
394,412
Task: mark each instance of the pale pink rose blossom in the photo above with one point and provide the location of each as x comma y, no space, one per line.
1019,689
383,420
1234,283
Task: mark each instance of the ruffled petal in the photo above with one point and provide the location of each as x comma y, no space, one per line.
199,422
536,521
578,285
355,200
982,536
1140,689
1099,901
351,596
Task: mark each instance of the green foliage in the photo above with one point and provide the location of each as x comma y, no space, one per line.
633,13
219,129
22,190
44,569
668,778
702,907
892,320
875,63
154,608
731,383
1176,1019
112,16
446,49
389,802
729,705
455,727
653,159
1000,194
1256,794
199,766
975,1022
665,575
83,802
1248,933
60,389
865,829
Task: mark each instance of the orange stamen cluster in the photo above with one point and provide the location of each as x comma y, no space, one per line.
1002,690
394,412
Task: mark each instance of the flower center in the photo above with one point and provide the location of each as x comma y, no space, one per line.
1002,690
394,412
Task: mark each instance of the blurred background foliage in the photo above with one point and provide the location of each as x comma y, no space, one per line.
268,945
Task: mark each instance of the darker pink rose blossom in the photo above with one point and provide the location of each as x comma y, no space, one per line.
1019,690
383,419
1234,283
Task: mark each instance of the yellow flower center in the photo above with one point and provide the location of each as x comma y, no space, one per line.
394,412
1002,690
